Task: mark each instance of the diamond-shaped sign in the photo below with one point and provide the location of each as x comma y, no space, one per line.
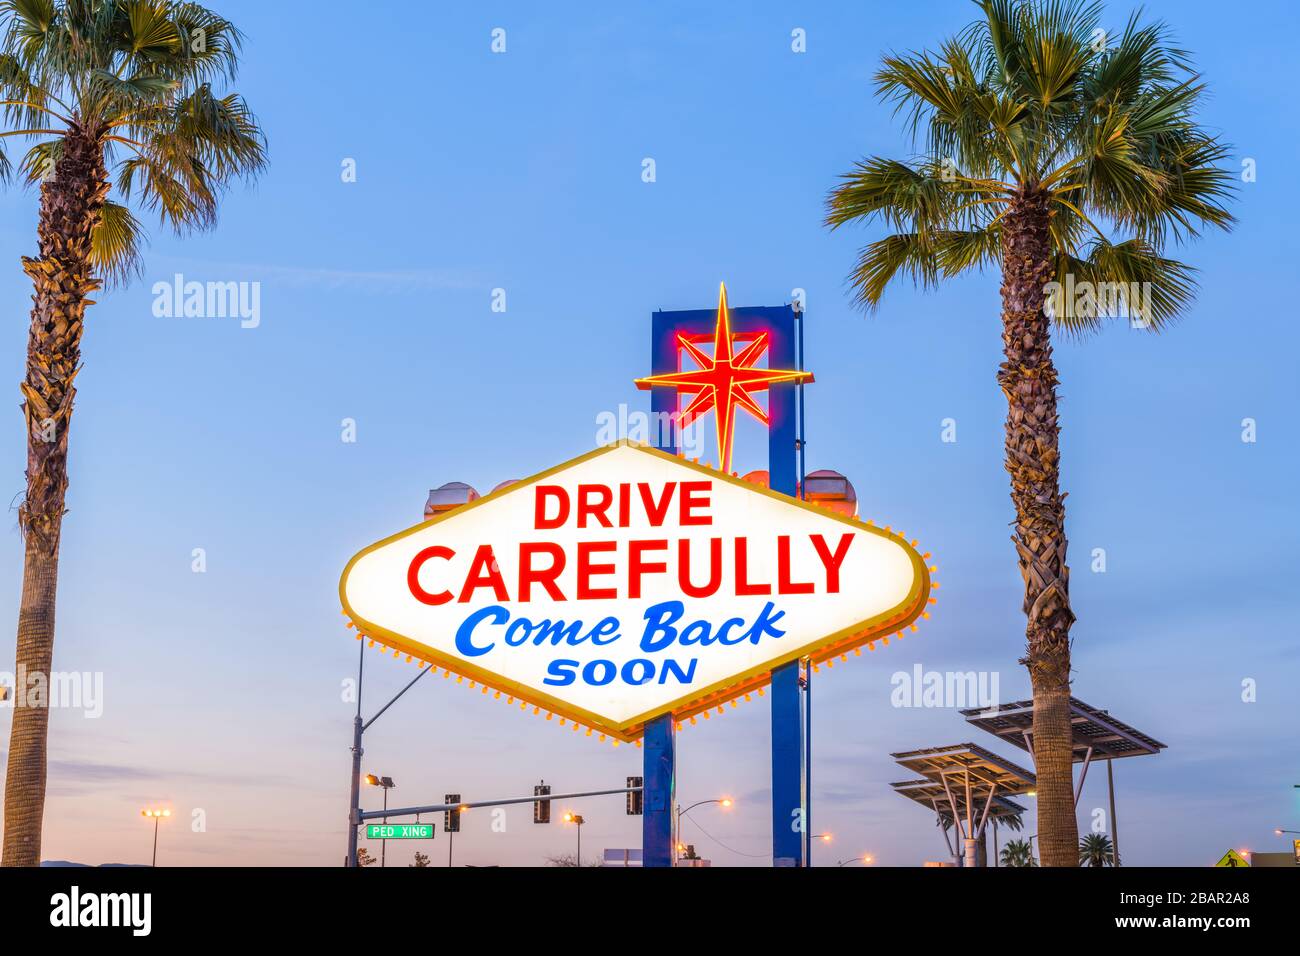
629,583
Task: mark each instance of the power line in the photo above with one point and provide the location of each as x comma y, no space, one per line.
756,856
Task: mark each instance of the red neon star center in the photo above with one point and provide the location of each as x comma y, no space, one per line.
724,381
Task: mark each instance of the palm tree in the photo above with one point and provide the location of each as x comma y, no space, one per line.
93,85
1059,155
1096,850
1018,853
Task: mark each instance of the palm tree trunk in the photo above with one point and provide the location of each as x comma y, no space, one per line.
1028,379
71,202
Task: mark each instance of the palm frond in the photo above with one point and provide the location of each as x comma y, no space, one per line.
899,194
137,76
1126,279
41,159
115,244
176,187
878,264
1032,98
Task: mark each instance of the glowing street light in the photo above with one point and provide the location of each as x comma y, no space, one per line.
866,860
577,820
157,816
725,802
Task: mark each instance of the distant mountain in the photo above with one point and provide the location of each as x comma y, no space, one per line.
70,863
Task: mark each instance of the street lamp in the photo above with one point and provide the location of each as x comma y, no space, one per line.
866,860
157,815
387,784
824,837
577,820
725,802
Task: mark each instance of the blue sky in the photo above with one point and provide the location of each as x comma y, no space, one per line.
522,171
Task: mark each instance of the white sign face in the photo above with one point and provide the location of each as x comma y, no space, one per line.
629,583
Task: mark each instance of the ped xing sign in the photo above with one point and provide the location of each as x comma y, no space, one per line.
399,831
629,583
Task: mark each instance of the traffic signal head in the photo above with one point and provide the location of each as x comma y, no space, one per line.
451,818
635,797
542,808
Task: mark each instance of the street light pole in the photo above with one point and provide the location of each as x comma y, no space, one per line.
677,828
577,820
157,818
387,784
354,797
824,837
359,727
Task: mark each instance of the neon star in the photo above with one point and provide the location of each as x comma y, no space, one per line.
724,381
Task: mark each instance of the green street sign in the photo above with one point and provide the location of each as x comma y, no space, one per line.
399,831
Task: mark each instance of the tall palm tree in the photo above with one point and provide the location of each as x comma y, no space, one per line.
95,85
1096,850
1018,853
1058,154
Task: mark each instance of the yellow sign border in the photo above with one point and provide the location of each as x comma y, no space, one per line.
871,629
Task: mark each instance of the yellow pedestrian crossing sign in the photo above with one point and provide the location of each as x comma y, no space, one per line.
1232,858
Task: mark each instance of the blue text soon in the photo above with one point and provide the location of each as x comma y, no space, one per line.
474,639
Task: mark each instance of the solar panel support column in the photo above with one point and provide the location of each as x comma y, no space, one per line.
971,842
1083,775
1114,823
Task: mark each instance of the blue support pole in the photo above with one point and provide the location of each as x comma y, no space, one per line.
788,804
787,744
807,685
659,749
807,767
788,809
659,745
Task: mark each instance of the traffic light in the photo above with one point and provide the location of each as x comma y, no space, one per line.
635,803
451,818
542,808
